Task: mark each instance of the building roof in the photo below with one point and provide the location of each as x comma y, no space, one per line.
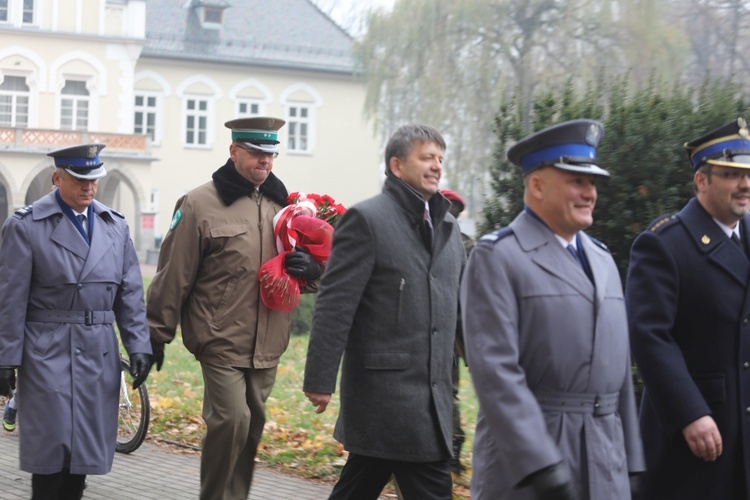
280,33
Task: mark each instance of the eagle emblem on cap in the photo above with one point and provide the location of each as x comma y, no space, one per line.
593,134
91,153
270,123
743,128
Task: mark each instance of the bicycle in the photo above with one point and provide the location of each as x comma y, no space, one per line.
134,412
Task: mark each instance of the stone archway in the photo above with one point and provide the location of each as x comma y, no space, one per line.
116,190
40,185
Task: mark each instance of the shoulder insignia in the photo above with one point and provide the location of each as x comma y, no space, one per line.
599,244
662,222
23,212
496,235
175,219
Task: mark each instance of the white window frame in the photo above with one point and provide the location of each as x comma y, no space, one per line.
294,123
14,102
199,114
77,100
261,107
156,110
15,10
311,101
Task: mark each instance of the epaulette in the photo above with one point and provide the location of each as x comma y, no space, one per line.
117,213
496,235
23,212
661,223
599,244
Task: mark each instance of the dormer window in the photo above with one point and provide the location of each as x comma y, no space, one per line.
210,12
212,15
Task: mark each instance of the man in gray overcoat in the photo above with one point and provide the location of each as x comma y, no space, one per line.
546,337
68,270
388,303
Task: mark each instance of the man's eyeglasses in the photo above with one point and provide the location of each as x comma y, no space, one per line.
731,175
255,153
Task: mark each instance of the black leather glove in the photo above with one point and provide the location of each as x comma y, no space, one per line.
140,365
301,263
158,358
7,380
553,483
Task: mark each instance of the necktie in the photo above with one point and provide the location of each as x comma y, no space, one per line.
574,253
82,219
428,230
737,241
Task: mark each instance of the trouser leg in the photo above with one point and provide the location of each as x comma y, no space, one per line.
362,478
259,384
424,480
233,409
58,486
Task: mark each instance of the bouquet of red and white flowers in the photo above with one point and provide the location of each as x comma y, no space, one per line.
307,222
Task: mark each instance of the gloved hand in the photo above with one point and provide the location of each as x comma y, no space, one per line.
7,380
140,365
553,483
158,358
301,263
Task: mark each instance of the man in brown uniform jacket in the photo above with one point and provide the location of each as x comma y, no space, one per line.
207,281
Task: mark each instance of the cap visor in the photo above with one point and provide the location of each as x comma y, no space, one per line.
587,168
734,164
89,175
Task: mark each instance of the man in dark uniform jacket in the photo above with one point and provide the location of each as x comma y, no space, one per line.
688,309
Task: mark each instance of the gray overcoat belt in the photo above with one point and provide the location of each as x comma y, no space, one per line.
569,402
87,317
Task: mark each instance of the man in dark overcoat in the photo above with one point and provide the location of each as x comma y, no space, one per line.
546,337
688,308
387,303
68,271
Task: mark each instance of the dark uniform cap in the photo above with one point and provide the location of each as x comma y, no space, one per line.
81,161
728,146
258,132
568,146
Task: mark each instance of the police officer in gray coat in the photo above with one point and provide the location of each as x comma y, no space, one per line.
68,270
546,337
388,302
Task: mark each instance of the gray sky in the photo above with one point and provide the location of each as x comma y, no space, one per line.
349,13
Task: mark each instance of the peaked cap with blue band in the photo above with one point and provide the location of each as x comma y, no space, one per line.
727,146
568,146
81,161
257,132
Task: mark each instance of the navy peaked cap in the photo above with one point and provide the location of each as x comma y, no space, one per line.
81,161
568,146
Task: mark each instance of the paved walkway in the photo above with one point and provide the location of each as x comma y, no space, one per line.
154,473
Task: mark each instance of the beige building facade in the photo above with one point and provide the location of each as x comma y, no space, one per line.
156,80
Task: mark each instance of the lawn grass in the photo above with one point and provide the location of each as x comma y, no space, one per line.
295,437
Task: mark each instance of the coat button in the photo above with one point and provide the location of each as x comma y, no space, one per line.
78,352
747,410
744,321
434,331
746,365
109,287
80,285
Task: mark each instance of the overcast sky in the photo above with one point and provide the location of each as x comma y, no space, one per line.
348,13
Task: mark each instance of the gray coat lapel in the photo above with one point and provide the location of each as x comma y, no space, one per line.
599,261
546,252
101,242
65,233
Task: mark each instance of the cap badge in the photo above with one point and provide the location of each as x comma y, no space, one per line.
743,128
92,151
592,135
270,123
705,240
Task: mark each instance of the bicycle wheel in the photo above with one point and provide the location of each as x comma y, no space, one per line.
134,412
